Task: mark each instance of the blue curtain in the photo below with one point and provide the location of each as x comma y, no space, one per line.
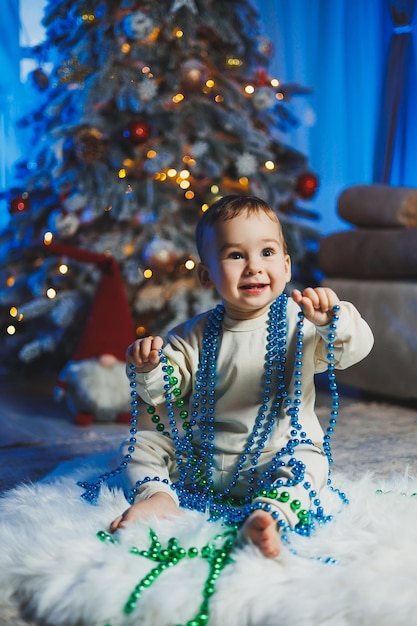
10,96
395,148
337,47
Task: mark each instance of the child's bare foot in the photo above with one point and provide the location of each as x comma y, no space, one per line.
262,530
160,505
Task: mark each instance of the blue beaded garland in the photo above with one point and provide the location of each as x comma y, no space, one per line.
195,487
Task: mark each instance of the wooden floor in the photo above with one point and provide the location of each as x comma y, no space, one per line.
37,434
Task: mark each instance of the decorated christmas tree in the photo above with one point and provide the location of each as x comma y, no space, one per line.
152,110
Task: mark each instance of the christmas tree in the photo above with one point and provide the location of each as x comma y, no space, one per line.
152,110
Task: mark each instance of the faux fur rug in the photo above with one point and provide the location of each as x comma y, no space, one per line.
55,570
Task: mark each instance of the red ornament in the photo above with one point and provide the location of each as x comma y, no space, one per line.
19,204
137,131
306,185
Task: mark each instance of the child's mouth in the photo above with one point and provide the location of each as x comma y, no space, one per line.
254,287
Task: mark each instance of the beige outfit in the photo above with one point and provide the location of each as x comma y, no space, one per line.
239,393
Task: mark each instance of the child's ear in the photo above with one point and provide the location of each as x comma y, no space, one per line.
204,276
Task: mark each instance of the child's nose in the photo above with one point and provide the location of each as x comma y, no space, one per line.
253,267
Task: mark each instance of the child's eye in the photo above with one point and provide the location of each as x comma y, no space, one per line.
268,252
235,255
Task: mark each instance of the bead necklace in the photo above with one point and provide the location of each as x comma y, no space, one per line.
199,493
196,492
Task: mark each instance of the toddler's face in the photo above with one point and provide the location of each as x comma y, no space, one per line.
246,263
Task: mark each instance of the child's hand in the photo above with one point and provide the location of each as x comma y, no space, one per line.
144,353
317,303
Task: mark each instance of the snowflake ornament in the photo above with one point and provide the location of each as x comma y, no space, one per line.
138,25
263,98
246,164
147,90
199,149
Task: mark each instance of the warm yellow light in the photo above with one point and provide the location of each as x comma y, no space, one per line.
128,162
151,154
147,273
179,33
63,268
219,98
189,265
11,330
13,311
234,62
51,293
280,96
184,174
88,17
10,281
249,89
122,173
269,165
178,98
214,189
146,69
210,83
140,330
185,184
47,238
172,172
188,160
125,48
160,176
129,249
204,207
244,181
189,195
274,82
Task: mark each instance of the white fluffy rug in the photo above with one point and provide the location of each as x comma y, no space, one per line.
56,571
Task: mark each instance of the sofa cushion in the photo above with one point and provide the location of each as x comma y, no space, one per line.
365,253
379,206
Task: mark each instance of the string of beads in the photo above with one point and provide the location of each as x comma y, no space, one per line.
195,487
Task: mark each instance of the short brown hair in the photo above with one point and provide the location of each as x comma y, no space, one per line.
229,207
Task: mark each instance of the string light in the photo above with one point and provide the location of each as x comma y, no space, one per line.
269,165
11,330
10,281
178,98
125,48
63,268
13,312
189,195
249,89
189,264
147,273
47,238
214,189
122,173
51,293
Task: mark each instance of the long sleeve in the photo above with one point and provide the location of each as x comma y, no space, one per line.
353,341
154,457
